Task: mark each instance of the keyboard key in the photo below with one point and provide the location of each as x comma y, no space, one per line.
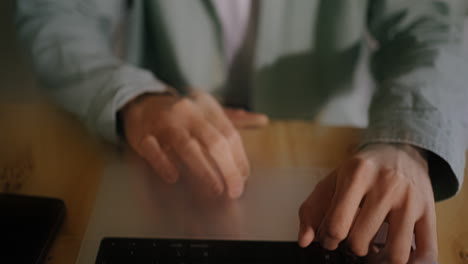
147,248
200,251
176,249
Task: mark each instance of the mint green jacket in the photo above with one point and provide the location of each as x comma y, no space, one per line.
305,54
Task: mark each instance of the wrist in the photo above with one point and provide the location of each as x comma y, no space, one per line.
419,154
413,151
132,106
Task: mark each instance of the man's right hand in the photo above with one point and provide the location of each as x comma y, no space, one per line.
193,134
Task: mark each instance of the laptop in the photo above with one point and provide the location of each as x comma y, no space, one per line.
137,213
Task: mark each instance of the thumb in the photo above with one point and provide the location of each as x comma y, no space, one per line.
243,119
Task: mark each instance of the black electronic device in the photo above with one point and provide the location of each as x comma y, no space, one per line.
28,226
191,251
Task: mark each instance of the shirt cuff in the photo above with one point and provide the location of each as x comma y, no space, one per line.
446,158
125,84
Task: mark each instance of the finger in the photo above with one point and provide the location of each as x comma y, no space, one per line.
189,151
349,193
400,234
369,219
215,114
237,147
219,150
150,149
307,223
426,240
312,211
244,119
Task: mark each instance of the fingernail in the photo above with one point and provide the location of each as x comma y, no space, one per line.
300,238
236,192
301,230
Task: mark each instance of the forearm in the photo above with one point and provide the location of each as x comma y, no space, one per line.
421,93
69,43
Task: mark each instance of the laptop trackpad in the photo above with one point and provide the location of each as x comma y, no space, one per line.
268,209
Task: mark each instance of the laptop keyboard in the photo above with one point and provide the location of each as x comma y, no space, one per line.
183,251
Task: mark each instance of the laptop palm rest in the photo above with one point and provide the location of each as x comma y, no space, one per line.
132,203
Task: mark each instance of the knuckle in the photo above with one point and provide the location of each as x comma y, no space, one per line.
218,145
356,178
389,178
389,188
229,132
183,105
359,163
357,168
186,144
392,174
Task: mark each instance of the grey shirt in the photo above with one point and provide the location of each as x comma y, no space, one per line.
305,54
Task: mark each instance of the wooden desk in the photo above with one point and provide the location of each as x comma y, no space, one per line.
46,152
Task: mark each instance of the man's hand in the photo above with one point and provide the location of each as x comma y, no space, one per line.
193,134
382,182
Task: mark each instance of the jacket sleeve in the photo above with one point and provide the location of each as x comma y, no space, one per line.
70,44
421,78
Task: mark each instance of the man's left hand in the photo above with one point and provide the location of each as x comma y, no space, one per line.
381,183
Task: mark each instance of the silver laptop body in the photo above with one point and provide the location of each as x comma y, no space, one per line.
135,203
